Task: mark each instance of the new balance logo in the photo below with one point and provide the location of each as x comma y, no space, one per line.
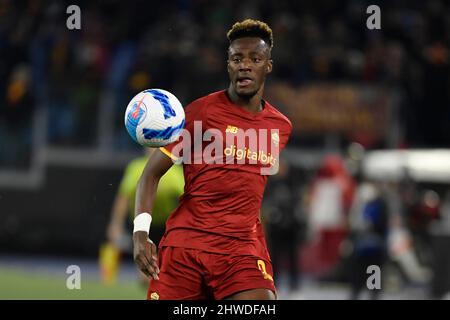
231,129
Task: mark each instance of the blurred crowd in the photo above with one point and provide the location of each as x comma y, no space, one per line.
124,47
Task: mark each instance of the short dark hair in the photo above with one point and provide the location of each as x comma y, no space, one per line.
251,28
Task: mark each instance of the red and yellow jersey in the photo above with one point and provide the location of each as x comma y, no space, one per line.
226,158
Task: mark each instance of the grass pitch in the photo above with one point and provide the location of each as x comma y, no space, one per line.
22,285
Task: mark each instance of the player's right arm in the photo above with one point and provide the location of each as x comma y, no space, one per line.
144,250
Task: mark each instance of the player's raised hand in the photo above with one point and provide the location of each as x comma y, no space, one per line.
145,254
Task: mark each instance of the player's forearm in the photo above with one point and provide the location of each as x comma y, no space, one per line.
156,167
145,194
144,250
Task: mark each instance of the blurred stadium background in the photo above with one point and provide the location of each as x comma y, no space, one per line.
366,175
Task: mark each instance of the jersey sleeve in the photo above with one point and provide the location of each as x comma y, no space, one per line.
194,112
285,133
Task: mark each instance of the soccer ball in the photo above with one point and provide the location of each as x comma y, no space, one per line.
154,118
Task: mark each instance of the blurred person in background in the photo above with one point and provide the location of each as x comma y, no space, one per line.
403,253
284,223
119,228
368,222
426,210
330,198
403,199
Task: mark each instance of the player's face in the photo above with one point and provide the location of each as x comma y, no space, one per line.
248,64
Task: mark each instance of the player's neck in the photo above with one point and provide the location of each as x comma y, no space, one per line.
253,104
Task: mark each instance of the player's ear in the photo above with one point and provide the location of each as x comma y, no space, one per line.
269,66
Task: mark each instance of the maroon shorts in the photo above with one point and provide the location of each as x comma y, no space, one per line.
191,274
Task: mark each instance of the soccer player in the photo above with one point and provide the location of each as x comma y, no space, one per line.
214,246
